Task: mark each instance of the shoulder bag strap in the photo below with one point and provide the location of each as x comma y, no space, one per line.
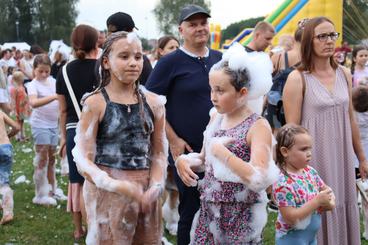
286,57
71,92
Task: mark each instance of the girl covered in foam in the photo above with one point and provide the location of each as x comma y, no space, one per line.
121,150
236,155
300,193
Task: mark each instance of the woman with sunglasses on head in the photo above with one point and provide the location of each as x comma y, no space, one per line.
318,96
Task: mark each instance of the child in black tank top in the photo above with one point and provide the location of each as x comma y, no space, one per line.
121,150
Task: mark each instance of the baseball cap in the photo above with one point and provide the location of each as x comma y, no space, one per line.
191,10
121,21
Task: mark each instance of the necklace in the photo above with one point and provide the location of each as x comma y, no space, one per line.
128,109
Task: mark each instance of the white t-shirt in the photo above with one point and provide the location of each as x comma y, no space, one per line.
45,116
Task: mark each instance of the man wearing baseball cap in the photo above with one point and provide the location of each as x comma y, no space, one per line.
182,76
123,22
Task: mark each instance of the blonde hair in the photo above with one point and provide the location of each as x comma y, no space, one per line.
18,77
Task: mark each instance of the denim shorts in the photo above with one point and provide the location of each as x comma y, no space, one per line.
45,136
308,236
6,162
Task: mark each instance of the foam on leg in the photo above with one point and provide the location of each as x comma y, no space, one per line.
7,204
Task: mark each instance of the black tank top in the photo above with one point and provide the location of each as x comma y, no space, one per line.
123,142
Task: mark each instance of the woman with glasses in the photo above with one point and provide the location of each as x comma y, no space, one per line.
318,96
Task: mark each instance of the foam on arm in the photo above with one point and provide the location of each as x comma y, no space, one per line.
85,150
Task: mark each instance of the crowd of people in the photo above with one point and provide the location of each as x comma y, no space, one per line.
202,140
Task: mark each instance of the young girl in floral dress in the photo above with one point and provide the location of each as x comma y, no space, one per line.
299,193
236,155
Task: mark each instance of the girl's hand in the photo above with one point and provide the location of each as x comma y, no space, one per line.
218,147
150,196
324,197
363,169
185,173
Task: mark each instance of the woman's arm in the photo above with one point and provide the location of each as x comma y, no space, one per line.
357,145
292,97
62,122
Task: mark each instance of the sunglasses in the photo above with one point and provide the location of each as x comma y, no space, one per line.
323,37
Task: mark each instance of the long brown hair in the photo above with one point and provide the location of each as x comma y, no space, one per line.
306,47
286,138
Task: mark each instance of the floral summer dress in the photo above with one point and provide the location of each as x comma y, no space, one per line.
226,214
20,102
295,190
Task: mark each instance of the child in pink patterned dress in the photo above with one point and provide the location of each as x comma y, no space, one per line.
300,193
236,156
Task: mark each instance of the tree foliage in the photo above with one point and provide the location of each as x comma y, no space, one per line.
234,29
167,13
355,17
39,21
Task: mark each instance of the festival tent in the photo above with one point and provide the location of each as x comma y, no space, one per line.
17,45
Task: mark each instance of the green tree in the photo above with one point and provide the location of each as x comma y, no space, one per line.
355,17
167,13
39,21
234,29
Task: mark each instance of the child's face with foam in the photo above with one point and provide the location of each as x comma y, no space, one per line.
299,154
224,96
125,60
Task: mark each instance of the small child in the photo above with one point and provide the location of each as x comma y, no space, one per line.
236,155
300,193
6,160
20,102
44,126
360,103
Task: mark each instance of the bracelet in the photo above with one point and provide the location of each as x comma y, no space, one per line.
228,157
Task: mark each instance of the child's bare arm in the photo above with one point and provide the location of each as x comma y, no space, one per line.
256,173
62,121
37,102
15,127
292,214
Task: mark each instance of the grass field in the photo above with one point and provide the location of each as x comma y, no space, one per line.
52,225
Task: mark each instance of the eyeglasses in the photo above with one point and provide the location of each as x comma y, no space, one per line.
323,37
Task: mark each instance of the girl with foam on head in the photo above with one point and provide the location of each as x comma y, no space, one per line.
121,150
44,125
300,193
236,155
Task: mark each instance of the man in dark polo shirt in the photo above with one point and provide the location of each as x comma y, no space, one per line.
182,76
123,22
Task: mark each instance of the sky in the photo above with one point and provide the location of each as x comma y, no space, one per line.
95,12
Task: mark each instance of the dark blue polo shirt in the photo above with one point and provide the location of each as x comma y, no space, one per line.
183,79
